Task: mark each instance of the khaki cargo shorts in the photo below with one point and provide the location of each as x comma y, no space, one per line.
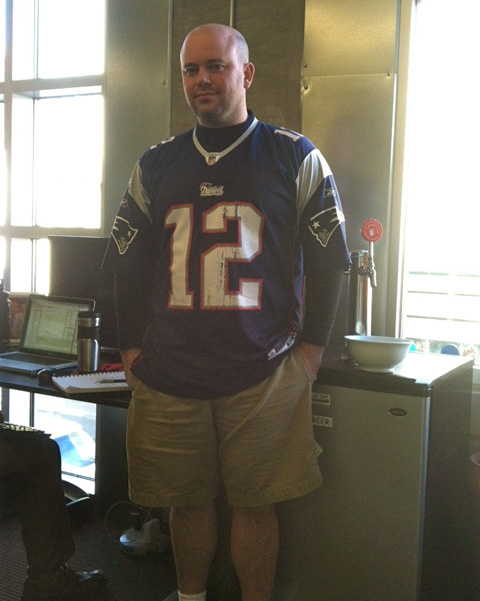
259,442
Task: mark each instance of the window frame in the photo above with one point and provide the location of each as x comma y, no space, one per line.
33,88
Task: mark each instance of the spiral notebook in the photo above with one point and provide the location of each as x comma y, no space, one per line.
107,381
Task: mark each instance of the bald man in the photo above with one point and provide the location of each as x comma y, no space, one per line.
229,252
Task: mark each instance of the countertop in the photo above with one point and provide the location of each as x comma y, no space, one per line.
416,375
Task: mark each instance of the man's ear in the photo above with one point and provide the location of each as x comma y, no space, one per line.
248,73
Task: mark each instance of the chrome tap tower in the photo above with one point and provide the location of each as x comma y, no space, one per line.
362,278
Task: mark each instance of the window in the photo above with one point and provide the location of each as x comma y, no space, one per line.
442,281
51,109
52,129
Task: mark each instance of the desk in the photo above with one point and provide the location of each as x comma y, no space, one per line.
119,399
111,462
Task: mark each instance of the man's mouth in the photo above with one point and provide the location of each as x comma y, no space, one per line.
204,95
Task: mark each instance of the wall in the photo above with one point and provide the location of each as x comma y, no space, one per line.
349,87
137,90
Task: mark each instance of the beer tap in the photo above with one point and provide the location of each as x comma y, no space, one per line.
372,231
362,279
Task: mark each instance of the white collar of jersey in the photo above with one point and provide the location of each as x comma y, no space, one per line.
213,157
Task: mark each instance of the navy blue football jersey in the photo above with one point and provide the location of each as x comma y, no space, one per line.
224,240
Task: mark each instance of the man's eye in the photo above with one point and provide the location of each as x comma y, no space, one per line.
189,71
216,67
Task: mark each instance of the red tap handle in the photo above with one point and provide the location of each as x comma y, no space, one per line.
372,230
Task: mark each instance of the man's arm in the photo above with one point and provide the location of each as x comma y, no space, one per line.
130,256
322,296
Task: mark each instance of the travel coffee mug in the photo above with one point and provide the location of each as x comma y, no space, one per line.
88,342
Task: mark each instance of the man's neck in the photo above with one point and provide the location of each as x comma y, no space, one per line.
217,138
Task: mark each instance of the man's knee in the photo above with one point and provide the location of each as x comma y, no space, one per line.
257,513
193,512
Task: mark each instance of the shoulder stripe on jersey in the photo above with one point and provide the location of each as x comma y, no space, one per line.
313,170
137,191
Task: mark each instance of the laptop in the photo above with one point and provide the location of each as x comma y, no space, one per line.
49,335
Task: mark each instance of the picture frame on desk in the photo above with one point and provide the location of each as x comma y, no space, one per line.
18,307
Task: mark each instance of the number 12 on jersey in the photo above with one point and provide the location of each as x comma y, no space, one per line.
214,262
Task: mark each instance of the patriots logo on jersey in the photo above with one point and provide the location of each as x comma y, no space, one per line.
323,224
208,189
123,234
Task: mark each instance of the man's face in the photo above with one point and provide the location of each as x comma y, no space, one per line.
215,78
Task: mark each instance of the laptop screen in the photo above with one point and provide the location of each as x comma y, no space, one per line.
51,324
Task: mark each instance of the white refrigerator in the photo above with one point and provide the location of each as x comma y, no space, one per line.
390,521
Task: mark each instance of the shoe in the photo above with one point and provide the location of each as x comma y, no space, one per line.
67,585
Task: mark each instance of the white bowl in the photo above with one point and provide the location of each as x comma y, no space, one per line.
377,353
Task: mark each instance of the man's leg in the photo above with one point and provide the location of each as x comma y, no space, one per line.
35,481
30,473
267,451
254,548
194,538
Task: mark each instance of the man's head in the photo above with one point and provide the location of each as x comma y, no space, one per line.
216,74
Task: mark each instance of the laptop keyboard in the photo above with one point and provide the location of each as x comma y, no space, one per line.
13,429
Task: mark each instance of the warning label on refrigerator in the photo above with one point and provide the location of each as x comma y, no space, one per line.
321,397
322,421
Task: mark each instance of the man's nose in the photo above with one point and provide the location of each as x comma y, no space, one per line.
203,76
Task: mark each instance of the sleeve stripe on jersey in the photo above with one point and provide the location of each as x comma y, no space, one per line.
313,170
137,191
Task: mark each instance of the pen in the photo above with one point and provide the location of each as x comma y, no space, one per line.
110,381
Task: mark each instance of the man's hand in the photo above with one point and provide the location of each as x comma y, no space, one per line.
128,357
311,355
